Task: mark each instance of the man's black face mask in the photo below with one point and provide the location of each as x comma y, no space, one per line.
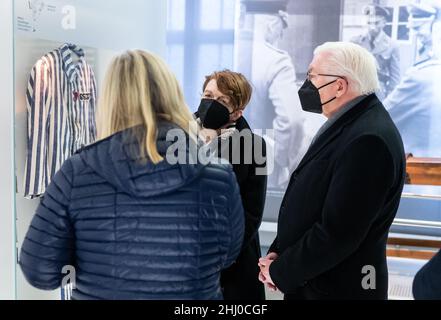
310,97
213,114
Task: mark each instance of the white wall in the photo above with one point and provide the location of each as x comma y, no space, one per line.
7,216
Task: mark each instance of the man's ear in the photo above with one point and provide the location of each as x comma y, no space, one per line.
342,87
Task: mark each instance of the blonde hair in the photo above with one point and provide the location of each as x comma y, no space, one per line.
353,62
140,89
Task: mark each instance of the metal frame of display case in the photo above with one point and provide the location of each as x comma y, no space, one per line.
7,172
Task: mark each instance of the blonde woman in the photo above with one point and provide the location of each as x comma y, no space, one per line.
131,224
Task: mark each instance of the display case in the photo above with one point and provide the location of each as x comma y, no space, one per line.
7,190
31,31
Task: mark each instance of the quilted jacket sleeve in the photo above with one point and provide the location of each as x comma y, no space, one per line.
49,242
236,221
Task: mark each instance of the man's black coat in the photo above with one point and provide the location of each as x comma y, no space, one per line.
335,216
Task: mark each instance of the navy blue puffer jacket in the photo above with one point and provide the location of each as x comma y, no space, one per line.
134,231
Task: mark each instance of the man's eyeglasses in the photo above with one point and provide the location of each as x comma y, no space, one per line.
311,76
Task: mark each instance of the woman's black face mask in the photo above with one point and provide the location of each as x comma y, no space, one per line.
213,114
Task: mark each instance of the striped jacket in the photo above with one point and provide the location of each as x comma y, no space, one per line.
61,98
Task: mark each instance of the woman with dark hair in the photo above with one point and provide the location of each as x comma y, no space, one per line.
225,96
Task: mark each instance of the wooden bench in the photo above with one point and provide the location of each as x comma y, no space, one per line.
423,171
419,171
412,248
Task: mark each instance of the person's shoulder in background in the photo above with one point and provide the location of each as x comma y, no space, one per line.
427,282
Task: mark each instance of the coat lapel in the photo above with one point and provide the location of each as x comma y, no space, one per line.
336,129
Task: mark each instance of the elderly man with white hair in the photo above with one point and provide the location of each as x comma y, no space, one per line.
342,198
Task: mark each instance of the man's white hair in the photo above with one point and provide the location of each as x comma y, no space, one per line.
353,62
